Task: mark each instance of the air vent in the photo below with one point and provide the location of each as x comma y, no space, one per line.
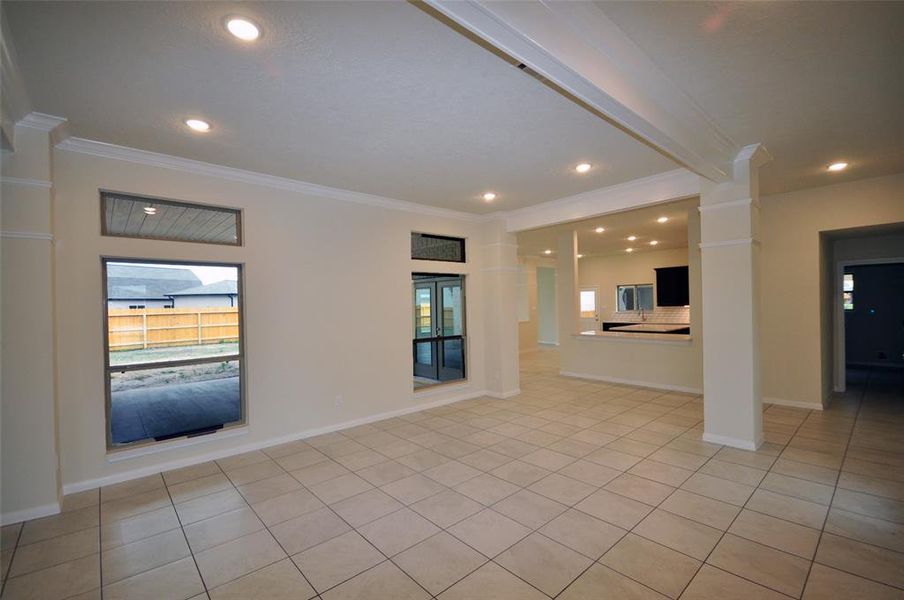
532,73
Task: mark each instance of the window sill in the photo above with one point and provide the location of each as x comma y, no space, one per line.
147,448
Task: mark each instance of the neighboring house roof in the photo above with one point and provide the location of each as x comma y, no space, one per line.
227,287
136,282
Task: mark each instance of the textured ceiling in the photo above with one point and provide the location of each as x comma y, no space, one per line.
641,223
376,97
815,82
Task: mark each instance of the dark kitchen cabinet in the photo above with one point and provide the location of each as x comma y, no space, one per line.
672,286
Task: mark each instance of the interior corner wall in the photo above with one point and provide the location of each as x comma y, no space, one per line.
547,306
529,331
28,440
327,309
794,333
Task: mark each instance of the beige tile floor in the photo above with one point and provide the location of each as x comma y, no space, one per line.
572,490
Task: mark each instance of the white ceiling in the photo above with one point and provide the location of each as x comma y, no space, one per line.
376,97
816,82
641,222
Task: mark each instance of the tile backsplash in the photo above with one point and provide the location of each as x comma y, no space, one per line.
660,314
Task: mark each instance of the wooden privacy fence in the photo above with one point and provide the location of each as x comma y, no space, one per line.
132,329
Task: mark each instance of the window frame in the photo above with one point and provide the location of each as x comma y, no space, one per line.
239,229
461,240
634,286
240,357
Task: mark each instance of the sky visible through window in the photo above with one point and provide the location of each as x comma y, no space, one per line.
204,273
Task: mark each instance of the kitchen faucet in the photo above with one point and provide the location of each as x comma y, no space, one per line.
643,315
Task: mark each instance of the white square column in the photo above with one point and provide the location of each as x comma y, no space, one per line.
567,296
730,248
499,271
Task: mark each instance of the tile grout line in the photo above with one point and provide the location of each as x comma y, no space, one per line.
838,477
185,536
742,508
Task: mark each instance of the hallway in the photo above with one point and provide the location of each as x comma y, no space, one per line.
572,490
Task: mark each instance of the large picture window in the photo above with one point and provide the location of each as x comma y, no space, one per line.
174,359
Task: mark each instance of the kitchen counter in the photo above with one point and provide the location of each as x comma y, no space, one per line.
652,327
678,339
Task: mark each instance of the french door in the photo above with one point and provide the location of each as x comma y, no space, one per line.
439,327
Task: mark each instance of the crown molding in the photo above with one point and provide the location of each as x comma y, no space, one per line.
26,235
186,165
678,184
41,122
730,204
735,242
26,182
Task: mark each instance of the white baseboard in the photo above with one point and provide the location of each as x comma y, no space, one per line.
503,395
724,440
26,514
646,384
793,403
89,484
541,343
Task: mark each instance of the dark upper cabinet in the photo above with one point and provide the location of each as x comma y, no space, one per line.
672,286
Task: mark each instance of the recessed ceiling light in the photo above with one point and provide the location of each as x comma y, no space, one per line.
662,219
631,238
198,125
489,196
600,229
629,249
653,242
243,29
582,168
547,252
580,256
839,166
150,210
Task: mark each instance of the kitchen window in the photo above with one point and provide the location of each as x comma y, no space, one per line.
634,297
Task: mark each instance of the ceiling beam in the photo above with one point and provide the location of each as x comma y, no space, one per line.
679,184
581,51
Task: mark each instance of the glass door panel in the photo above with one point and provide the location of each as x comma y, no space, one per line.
439,328
453,316
423,310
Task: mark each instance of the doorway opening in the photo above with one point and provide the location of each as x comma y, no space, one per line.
439,335
873,308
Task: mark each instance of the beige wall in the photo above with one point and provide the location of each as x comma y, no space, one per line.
28,450
338,274
796,335
529,331
607,272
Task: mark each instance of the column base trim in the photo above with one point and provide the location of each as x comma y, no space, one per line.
26,514
724,440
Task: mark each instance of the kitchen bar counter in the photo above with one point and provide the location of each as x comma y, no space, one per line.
678,339
652,327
